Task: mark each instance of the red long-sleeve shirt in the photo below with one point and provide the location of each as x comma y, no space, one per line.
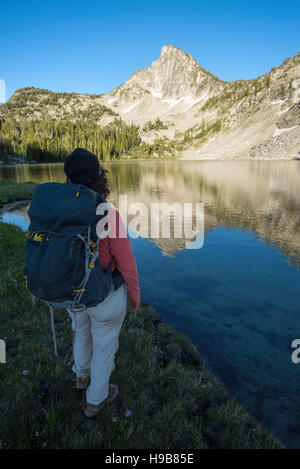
117,244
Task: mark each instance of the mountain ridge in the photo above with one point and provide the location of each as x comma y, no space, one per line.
202,116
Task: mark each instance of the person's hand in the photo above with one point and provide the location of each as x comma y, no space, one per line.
133,305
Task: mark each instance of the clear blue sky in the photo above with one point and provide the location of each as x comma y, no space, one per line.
93,46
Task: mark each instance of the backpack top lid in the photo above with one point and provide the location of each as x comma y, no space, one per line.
63,208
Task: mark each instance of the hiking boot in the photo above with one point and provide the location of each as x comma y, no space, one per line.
92,410
82,383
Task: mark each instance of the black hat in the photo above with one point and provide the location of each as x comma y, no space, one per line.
82,167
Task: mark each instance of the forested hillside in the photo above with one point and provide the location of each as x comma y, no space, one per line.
51,140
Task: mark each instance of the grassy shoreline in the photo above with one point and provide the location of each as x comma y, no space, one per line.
13,191
175,402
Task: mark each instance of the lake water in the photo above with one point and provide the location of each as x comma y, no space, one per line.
237,297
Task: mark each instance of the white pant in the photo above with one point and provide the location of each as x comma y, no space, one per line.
96,343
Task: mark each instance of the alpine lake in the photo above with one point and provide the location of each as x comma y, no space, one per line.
236,295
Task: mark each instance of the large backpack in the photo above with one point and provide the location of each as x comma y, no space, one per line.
62,262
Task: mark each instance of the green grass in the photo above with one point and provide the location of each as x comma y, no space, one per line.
11,191
175,402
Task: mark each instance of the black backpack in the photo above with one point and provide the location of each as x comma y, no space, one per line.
62,262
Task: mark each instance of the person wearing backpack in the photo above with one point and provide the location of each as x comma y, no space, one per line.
60,214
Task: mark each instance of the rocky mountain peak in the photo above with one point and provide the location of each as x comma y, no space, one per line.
172,50
179,74
175,75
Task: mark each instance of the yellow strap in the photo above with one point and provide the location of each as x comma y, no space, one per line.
38,237
83,289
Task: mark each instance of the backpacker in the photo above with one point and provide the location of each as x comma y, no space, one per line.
62,262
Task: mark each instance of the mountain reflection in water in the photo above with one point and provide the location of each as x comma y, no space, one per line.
261,196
